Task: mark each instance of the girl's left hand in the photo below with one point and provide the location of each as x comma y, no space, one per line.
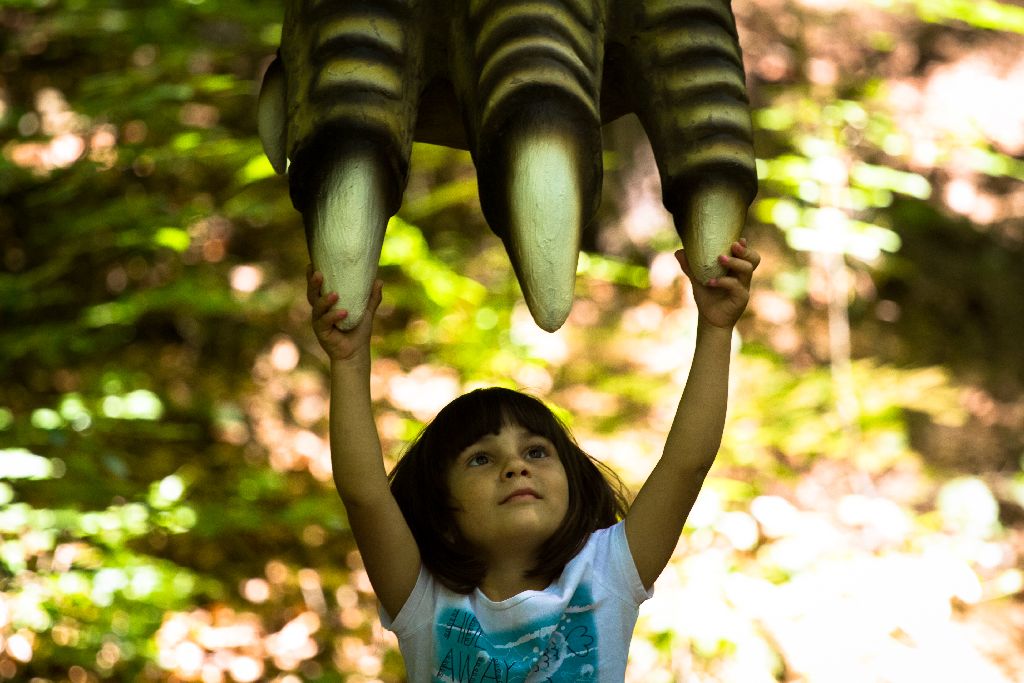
340,345
722,301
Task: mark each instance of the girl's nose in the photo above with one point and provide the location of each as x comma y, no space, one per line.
516,467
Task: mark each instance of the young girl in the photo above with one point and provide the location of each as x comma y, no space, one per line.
495,547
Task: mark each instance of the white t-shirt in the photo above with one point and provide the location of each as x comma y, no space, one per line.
576,629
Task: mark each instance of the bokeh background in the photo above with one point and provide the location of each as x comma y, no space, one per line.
166,510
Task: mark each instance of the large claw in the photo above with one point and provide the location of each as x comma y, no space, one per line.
545,220
271,111
346,230
714,220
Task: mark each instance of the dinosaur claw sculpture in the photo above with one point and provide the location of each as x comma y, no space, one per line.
271,116
525,86
689,92
714,220
346,227
532,98
545,219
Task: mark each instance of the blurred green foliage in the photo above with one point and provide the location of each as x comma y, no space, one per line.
166,509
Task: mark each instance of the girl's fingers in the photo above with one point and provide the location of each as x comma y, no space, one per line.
739,266
323,305
753,257
375,297
314,281
740,250
727,283
684,263
744,263
327,322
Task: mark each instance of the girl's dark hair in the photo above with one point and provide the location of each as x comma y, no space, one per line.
419,483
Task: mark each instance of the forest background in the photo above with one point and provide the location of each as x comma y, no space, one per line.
166,510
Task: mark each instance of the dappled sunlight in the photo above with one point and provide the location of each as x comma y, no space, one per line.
65,128
553,347
658,340
645,215
209,647
587,403
632,453
534,379
60,152
423,391
975,95
863,569
665,271
246,279
762,583
221,644
953,114
288,412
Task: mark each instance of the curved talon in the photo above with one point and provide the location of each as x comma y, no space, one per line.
271,112
714,220
544,213
346,232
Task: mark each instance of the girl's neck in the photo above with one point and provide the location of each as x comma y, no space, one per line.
507,579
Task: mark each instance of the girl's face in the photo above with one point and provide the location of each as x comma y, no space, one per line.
509,491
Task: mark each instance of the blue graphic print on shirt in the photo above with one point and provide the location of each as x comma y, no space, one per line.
555,648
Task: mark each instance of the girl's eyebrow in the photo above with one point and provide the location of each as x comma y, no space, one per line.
475,448
480,442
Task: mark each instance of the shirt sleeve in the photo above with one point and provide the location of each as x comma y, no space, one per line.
615,565
418,606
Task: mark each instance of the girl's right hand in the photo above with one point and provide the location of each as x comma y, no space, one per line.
339,344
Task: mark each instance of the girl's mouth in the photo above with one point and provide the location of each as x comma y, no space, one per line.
521,494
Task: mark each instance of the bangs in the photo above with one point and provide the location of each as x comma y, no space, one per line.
479,413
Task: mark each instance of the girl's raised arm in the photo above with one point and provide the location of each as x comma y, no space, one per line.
385,542
656,518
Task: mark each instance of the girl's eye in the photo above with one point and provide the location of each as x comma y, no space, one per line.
479,459
536,452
